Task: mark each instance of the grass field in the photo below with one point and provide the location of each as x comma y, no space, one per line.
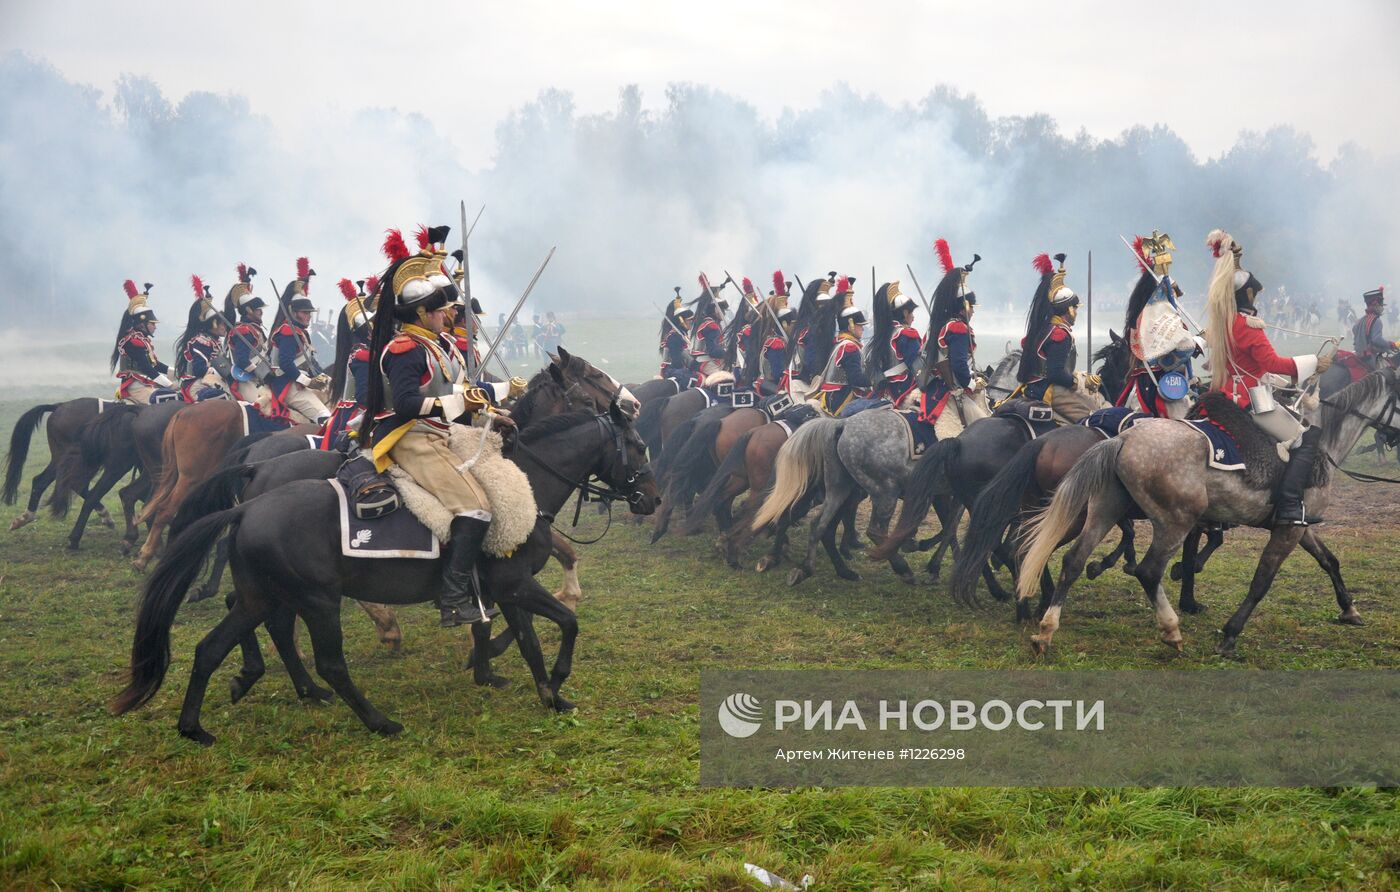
485,790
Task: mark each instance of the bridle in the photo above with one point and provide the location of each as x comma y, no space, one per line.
630,490
1384,425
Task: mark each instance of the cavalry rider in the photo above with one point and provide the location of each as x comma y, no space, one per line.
198,348
350,373
246,347
294,364
816,329
1366,337
1048,354
1160,345
1240,357
893,361
706,340
844,377
412,405
134,360
675,336
739,333
773,374
950,373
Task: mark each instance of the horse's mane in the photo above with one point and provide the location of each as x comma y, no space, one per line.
1342,403
554,424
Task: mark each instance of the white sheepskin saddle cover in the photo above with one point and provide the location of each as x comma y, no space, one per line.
513,509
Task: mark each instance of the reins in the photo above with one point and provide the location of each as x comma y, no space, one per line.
588,491
1386,429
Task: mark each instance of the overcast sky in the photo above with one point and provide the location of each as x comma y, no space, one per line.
1206,69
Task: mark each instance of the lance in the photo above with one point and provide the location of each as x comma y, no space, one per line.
917,287
500,335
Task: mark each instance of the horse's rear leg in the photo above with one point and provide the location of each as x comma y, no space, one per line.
850,538
1103,514
1186,570
138,490
322,620
210,588
949,512
1313,545
208,655
41,482
881,510
92,503
280,625
1167,536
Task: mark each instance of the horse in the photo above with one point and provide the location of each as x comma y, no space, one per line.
66,420
964,466
694,452
286,558
567,383
1160,466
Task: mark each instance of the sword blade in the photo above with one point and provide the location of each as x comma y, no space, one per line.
500,335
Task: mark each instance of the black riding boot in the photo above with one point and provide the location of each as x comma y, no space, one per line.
1288,498
459,603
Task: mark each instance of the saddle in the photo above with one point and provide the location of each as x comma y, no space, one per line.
920,433
794,417
1254,449
371,526
1038,417
1112,421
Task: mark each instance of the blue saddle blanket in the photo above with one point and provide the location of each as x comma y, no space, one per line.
397,534
1113,421
1225,453
921,435
254,422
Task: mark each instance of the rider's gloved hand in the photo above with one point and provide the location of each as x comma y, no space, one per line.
1323,364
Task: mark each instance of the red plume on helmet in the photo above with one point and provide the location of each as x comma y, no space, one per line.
394,247
130,287
779,284
303,268
945,254
1142,258
748,285
243,272
198,285
1042,264
424,240
347,288
371,285
843,285
704,281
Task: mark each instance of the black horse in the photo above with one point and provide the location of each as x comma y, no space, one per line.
295,529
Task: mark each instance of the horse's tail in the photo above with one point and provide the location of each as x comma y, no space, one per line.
218,493
732,466
161,597
998,503
923,484
801,460
19,448
694,462
169,471
238,453
648,424
675,444
1097,469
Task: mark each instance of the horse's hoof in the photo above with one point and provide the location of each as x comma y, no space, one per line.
1129,569
1175,642
389,728
1225,648
72,547
1351,618
849,575
139,565
797,575
203,593
1176,572
908,578
108,522
1094,570
656,536
492,680
1039,645
1191,607
198,735
237,690
766,563
23,520
394,645
316,694
562,705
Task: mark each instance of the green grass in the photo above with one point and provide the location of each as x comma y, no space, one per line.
485,790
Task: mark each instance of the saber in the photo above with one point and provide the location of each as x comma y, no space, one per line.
467,290
310,352
474,222
500,335
758,303
1153,273
667,320
917,287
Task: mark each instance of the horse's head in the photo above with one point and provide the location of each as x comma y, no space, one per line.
587,385
628,470
1114,363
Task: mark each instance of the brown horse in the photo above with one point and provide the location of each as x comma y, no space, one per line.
66,421
192,449
694,452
